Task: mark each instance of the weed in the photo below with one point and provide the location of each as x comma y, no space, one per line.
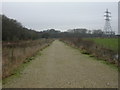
89,47
16,53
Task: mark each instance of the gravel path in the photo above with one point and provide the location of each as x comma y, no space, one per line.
61,66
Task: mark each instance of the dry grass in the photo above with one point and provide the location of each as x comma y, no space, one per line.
90,47
15,53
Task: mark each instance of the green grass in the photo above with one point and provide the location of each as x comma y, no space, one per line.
17,72
110,43
105,62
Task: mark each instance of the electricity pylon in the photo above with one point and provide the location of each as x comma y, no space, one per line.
107,28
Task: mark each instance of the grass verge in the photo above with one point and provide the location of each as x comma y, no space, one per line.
94,58
17,72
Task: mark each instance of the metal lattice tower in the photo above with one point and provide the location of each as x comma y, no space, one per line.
107,27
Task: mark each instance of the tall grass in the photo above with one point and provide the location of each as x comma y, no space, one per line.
15,53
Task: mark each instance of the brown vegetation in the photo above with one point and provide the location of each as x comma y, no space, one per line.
16,53
89,47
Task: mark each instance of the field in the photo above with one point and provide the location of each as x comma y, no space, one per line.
109,43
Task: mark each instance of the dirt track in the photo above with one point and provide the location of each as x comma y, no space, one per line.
61,66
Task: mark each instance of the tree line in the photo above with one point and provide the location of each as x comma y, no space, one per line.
12,30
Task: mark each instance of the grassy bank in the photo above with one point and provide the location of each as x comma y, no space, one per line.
109,43
16,53
102,49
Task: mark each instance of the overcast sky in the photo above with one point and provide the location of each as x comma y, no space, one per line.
61,15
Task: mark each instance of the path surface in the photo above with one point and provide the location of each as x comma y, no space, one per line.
61,66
